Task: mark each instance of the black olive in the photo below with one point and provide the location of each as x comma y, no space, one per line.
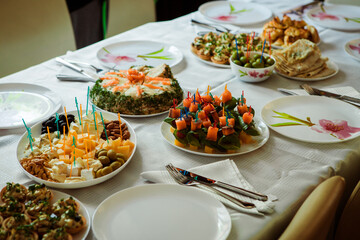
43,123
51,129
71,116
52,118
77,218
61,122
62,117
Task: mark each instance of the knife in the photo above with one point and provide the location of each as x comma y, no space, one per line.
206,25
77,69
315,91
208,181
64,77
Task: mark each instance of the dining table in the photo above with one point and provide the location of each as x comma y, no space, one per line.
283,167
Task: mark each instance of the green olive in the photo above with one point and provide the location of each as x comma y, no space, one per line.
99,173
234,57
120,155
248,65
104,160
270,61
112,155
120,160
256,56
237,62
102,153
98,151
115,165
106,170
243,59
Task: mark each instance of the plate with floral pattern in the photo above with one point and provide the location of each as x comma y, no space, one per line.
353,49
340,17
238,13
123,55
313,119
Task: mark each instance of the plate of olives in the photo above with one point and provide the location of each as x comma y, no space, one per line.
111,162
252,66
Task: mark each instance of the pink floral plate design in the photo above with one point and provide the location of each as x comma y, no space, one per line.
123,55
312,119
352,48
232,12
341,17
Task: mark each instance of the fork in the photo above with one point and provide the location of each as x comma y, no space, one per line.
184,180
87,64
206,25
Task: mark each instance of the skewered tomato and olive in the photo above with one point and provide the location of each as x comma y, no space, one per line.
254,61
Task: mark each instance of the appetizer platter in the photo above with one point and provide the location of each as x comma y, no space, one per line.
283,33
123,55
29,101
40,213
209,126
336,16
232,12
303,61
128,210
216,49
79,155
141,91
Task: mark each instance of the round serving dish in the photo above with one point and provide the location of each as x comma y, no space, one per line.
252,74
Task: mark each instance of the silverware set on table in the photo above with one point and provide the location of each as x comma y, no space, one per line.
187,178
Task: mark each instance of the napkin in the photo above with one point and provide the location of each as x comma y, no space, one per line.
349,91
225,171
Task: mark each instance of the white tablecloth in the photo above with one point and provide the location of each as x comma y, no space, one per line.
282,167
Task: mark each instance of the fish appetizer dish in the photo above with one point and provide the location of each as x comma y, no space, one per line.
140,90
77,152
283,33
218,48
32,213
212,123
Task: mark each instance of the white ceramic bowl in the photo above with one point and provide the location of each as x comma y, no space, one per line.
252,74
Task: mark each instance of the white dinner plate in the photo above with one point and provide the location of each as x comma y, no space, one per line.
161,211
123,55
36,130
210,62
352,48
330,64
83,211
340,17
238,13
328,116
245,148
25,101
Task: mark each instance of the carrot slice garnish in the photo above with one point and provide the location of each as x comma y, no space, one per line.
152,86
